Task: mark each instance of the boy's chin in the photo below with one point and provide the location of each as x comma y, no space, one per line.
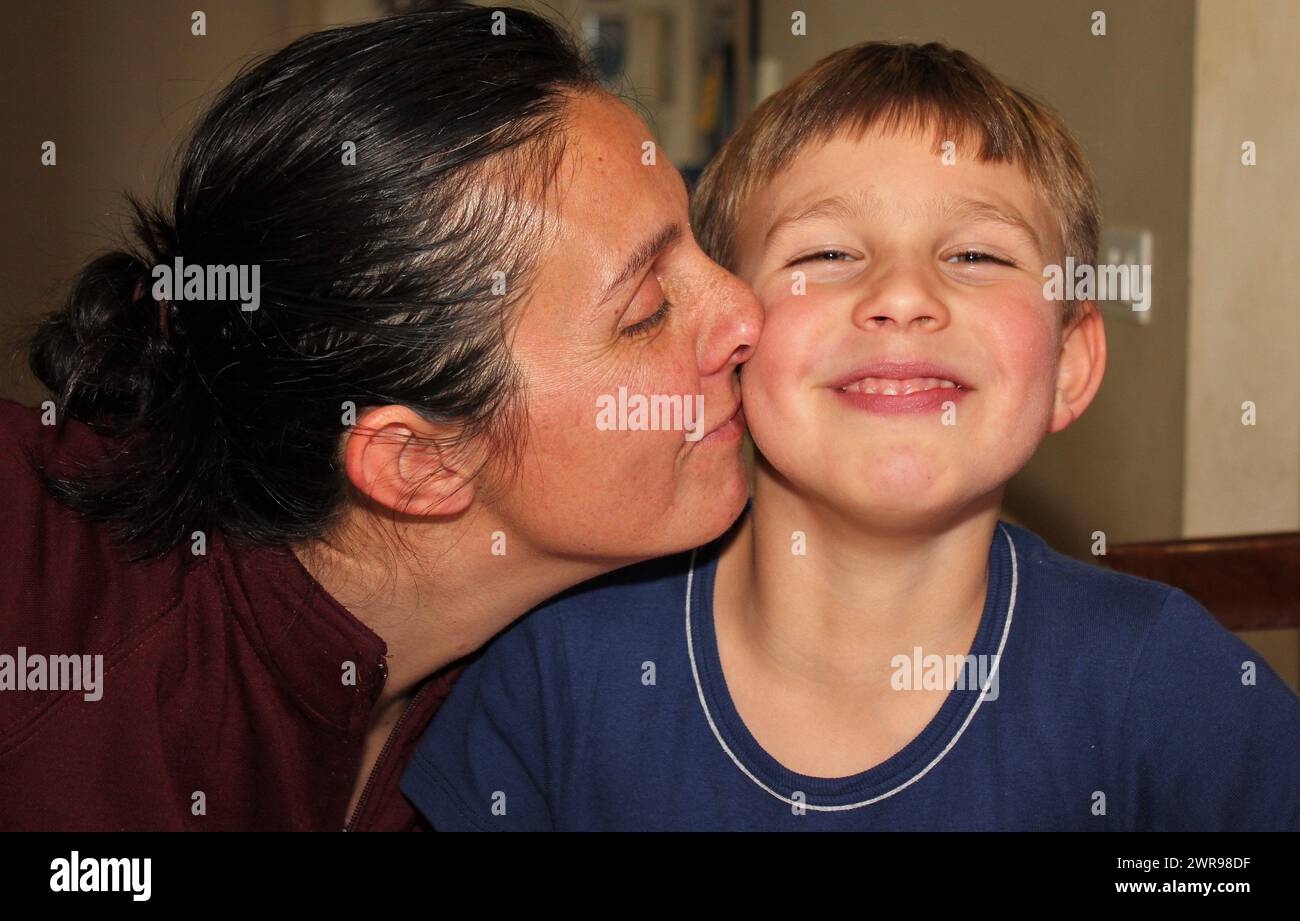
900,509
888,517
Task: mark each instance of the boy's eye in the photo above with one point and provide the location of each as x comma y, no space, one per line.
822,255
649,323
975,257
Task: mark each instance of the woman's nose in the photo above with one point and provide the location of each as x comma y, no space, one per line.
737,323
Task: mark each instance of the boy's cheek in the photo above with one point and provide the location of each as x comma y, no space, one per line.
795,319
776,373
1024,338
798,334
1025,347
768,373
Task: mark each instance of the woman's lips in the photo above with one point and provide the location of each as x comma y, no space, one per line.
731,430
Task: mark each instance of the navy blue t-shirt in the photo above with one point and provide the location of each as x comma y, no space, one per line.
1094,701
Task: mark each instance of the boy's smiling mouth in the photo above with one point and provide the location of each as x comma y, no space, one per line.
893,388
900,387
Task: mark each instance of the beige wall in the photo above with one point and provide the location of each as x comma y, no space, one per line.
1127,96
1245,243
1245,316
114,85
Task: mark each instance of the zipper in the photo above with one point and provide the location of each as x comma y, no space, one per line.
383,752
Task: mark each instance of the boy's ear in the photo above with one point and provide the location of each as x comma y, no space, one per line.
1082,364
404,463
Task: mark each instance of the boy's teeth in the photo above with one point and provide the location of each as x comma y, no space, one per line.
893,388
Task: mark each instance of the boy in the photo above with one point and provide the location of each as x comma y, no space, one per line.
869,647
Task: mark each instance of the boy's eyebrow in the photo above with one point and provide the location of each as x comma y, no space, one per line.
975,209
842,206
858,203
646,252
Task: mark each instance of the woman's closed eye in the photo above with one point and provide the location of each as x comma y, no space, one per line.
649,323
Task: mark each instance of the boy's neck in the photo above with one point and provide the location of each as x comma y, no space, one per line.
857,594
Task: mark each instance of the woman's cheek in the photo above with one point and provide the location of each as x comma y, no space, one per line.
642,376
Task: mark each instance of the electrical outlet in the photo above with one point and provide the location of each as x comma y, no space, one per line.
1128,247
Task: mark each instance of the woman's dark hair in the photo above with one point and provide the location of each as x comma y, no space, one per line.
381,281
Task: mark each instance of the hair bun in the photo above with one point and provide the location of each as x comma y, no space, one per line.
102,354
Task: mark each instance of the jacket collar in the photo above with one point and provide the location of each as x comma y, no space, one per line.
325,658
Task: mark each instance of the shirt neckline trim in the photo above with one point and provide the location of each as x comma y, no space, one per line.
939,721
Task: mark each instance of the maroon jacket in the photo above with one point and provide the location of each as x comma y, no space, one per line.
222,675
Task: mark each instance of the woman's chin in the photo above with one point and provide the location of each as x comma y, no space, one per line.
715,505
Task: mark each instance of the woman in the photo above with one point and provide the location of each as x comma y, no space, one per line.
265,526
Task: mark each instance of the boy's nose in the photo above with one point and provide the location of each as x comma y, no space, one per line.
900,298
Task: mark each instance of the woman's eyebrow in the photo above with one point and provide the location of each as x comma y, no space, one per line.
645,253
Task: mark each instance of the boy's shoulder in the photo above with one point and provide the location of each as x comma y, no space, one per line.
1203,730
1065,586
637,602
1123,623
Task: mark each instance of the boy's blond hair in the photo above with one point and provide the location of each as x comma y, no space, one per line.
900,87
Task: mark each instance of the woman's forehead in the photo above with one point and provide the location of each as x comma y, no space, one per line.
615,186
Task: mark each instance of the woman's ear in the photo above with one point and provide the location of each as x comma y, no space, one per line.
405,463
1083,362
